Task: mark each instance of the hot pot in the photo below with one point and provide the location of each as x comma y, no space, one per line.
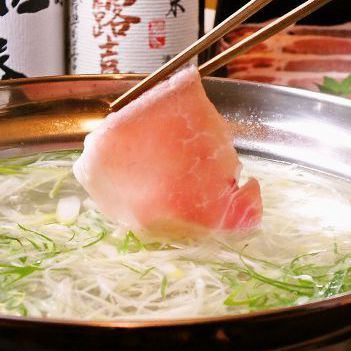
278,123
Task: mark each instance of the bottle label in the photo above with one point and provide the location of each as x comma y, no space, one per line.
129,36
31,38
157,34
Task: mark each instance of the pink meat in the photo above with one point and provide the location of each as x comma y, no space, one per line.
318,65
300,56
342,31
166,162
322,46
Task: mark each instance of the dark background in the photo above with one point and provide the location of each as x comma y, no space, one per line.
336,12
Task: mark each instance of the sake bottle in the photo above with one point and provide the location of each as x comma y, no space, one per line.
32,38
131,36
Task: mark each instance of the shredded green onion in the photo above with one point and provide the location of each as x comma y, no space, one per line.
91,268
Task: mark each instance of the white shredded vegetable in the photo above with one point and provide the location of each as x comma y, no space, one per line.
60,259
67,210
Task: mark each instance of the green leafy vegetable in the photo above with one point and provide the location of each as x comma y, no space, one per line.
11,170
42,236
146,272
99,237
252,301
138,271
332,86
133,269
11,274
131,243
334,286
164,285
58,185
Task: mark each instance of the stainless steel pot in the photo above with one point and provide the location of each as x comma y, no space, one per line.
274,122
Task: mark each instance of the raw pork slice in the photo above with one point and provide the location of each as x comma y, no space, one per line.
300,56
166,163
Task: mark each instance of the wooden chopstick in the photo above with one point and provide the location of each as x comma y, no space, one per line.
210,38
264,33
194,49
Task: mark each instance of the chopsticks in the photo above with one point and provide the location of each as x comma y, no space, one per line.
210,38
194,49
